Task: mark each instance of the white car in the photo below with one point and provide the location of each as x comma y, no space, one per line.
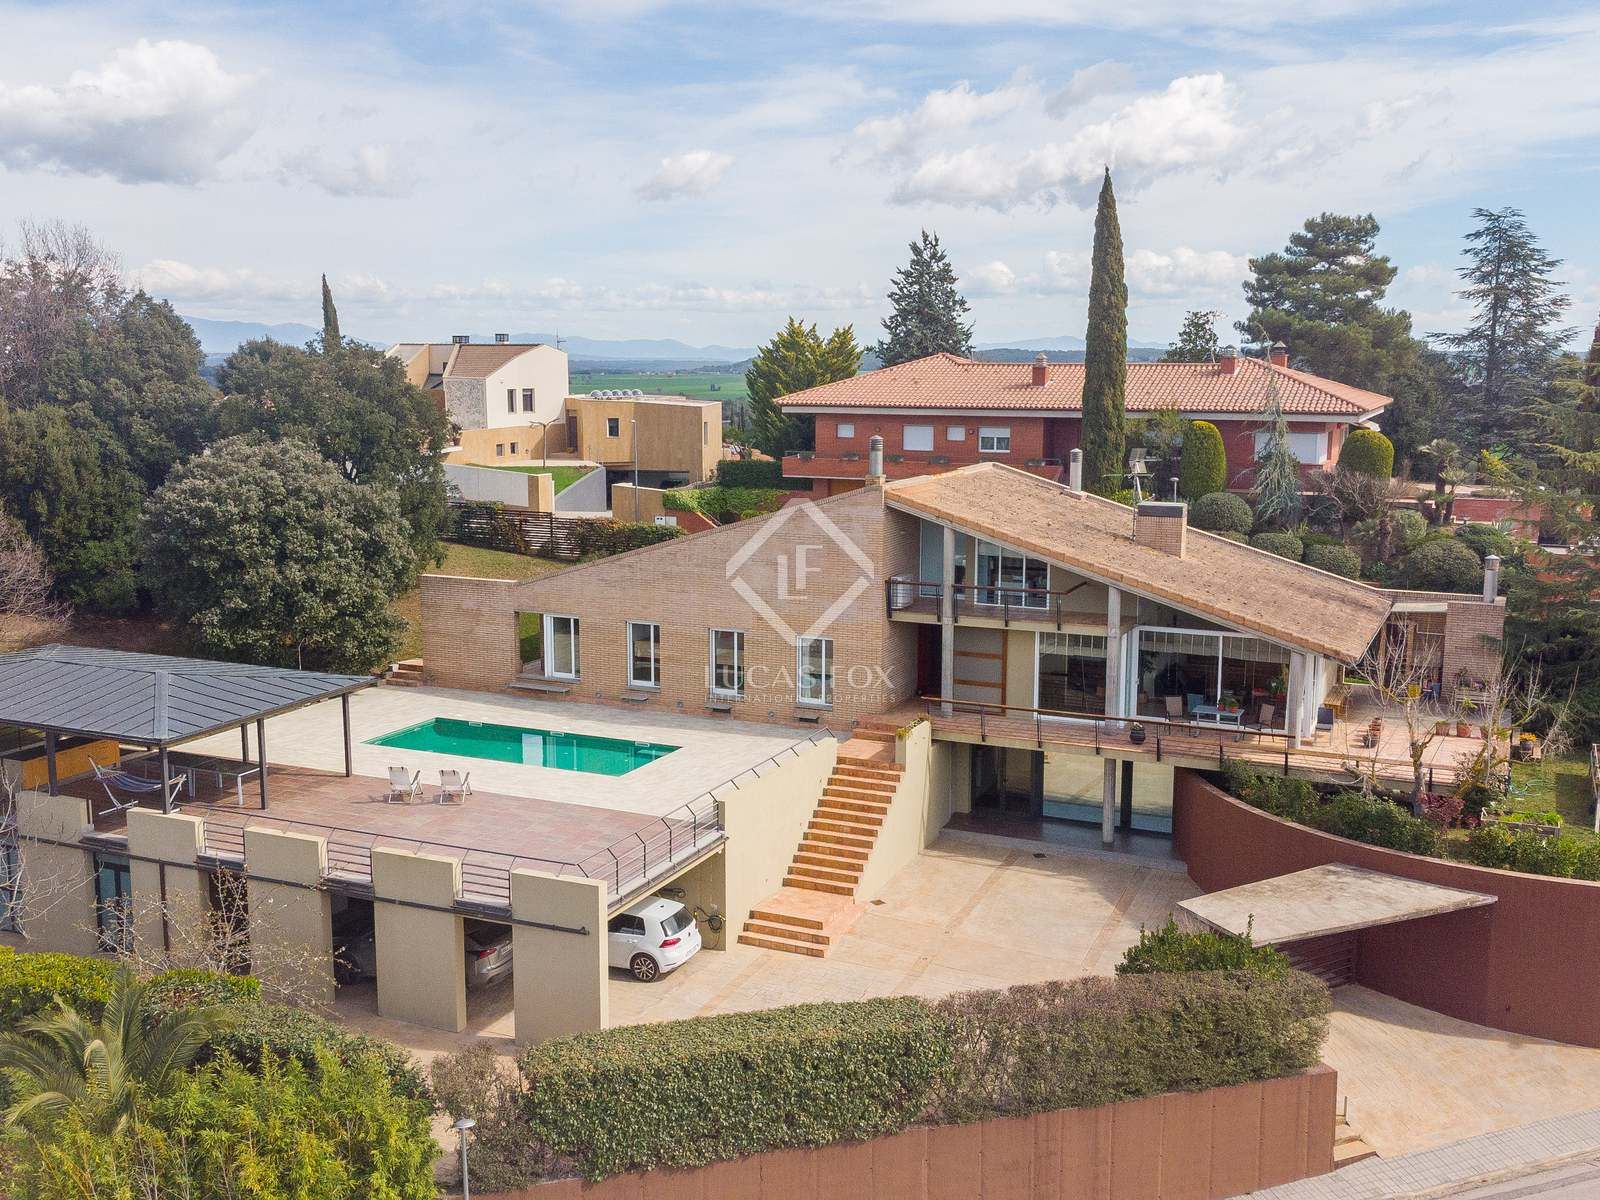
652,937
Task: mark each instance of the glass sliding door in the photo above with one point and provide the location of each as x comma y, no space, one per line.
1194,675
644,654
1071,672
727,662
561,647
113,895
814,657
1006,577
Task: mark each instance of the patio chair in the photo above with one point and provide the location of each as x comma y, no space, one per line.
404,788
454,787
1269,716
110,779
1174,707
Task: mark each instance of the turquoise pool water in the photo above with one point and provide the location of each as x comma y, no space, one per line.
535,747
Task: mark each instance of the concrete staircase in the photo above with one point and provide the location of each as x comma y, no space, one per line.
406,673
817,900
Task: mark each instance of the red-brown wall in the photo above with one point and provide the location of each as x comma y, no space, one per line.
1528,963
1027,437
1239,441
1181,1146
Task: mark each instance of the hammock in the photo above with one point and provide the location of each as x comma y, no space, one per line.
136,784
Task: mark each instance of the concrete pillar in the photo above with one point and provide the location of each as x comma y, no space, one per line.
1295,697
291,914
1108,804
171,898
57,905
1113,652
947,619
560,980
422,976
541,493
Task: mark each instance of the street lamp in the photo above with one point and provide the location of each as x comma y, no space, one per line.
461,1127
544,437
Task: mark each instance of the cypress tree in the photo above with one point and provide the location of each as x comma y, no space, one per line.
1105,359
796,359
927,308
330,320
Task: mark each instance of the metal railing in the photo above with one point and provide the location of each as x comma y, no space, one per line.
1007,604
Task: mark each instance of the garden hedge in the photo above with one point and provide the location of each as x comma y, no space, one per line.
260,1030
1441,565
1349,814
30,983
686,1093
1280,542
1170,949
1367,452
751,473
1486,540
1564,855
722,504
1221,512
1203,464
614,537
1340,560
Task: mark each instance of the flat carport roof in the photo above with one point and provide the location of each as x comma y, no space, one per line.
1316,902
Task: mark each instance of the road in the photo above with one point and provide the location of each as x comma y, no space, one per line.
1571,1180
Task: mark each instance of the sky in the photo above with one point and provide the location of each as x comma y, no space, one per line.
701,171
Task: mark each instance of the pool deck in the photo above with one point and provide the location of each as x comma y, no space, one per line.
711,750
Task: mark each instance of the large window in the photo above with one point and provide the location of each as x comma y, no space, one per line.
994,439
917,437
814,657
727,662
1189,675
527,399
1311,448
113,902
1072,672
1006,577
644,654
561,647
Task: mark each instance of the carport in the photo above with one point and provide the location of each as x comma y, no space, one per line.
1314,915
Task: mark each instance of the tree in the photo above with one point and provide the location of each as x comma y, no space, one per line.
1367,452
357,408
795,359
29,610
1105,356
1197,339
1399,675
1441,564
1203,469
1448,474
1275,492
1506,356
927,310
64,1062
271,556
331,341
59,278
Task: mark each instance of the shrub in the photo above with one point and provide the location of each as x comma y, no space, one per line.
1203,465
1170,949
750,473
29,984
1375,821
614,537
1486,540
722,504
1233,535
1221,512
1124,496
266,1030
684,1093
1340,560
1367,452
188,987
479,1084
1280,542
1566,855
1442,565
1092,1041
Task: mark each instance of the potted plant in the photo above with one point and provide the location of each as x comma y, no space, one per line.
1463,728
1229,703
1136,734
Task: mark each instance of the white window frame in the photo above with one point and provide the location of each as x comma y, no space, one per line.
549,643
991,437
905,439
956,433
825,700
1300,441
738,663
846,429
655,655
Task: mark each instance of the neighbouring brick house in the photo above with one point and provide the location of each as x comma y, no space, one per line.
944,411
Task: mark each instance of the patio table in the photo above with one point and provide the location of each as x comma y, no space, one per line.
1213,715
223,771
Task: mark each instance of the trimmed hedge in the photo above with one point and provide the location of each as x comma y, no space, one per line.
1203,465
1341,560
1441,565
1280,542
1233,535
1373,820
1170,949
722,504
276,1029
614,537
1086,1042
1563,855
1221,512
30,983
1367,452
686,1093
750,473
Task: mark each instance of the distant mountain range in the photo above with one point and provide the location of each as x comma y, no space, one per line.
1136,353
1064,342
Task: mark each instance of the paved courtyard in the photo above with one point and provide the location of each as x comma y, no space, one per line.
711,751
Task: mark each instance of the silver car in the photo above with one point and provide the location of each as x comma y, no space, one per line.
488,949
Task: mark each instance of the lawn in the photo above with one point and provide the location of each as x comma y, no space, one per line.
562,477
1557,783
701,385
472,561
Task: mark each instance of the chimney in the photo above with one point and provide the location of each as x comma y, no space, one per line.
1278,355
875,461
502,338
1491,578
1161,525
1075,471
1041,370
1228,359
460,339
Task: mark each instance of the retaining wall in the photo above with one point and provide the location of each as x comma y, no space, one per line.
1528,963
1180,1146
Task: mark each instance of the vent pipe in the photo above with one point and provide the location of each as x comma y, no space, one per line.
875,460
1491,578
1075,470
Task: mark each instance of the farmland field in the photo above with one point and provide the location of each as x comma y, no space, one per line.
700,385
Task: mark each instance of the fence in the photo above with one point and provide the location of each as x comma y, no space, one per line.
546,535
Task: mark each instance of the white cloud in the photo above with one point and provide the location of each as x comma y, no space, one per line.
369,170
692,174
154,112
1090,83
1185,272
1190,124
989,279
941,114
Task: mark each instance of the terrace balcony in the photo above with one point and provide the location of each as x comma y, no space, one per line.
917,600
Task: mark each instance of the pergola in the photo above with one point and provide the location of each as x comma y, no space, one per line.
156,701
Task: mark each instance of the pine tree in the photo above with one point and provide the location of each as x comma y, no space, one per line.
331,340
1506,357
927,309
1275,493
1105,358
796,359
1197,340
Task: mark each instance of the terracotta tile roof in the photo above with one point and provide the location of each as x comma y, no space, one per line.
946,381
1246,588
479,360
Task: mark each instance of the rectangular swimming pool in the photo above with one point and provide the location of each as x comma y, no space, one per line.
534,747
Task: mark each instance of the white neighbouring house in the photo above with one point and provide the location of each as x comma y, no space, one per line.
489,385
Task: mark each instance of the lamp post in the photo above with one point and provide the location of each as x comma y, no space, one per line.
461,1127
544,437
